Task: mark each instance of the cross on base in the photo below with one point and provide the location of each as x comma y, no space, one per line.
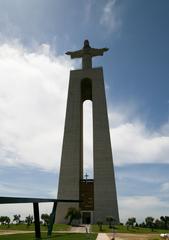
86,176
86,53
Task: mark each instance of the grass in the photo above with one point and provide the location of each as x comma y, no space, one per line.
62,236
24,227
123,229
155,239
73,236
94,228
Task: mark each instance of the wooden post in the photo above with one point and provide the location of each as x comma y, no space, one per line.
37,221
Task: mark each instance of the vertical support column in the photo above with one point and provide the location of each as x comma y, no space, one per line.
52,219
37,221
69,178
105,198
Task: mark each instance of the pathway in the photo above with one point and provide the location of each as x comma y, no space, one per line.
9,232
102,236
81,229
132,236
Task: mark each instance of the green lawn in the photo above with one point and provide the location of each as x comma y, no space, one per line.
123,229
155,238
64,227
66,236
56,227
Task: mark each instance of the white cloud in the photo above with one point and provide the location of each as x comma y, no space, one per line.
111,16
87,10
33,92
133,142
141,207
6,189
9,30
165,129
165,187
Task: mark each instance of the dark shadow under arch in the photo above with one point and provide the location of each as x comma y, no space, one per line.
86,89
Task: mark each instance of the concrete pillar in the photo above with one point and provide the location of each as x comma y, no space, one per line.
83,85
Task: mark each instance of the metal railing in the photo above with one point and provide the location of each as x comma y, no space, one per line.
36,201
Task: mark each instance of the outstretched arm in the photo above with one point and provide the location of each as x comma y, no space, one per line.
98,51
75,54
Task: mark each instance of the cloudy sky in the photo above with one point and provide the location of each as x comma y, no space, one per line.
34,75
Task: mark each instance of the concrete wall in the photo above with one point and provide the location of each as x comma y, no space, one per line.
105,199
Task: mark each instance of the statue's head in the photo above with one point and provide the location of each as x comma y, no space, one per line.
86,44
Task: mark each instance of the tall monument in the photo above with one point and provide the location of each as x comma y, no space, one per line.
98,195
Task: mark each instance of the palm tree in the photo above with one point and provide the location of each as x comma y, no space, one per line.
73,214
16,218
45,217
5,220
130,222
29,220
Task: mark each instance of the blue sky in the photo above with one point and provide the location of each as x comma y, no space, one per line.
34,74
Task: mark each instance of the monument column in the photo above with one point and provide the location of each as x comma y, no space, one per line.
98,195
105,198
71,150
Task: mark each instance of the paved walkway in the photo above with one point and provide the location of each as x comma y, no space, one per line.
102,236
9,232
133,236
81,229
117,238
78,229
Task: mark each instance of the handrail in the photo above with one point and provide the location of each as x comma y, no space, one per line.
36,201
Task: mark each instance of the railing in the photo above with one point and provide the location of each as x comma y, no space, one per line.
36,201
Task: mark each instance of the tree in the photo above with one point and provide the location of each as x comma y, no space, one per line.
45,217
136,225
165,220
130,222
73,214
4,220
100,224
7,220
16,218
111,221
158,224
150,222
143,225
29,220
